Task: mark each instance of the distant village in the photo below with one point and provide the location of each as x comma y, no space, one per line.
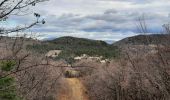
55,53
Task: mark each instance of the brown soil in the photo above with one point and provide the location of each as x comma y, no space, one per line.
75,90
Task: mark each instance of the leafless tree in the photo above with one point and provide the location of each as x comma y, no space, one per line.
166,28
36,76
33,73
17,7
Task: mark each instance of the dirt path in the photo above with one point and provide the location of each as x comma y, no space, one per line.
75,90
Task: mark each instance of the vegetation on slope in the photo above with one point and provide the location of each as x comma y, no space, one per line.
145,39
72,47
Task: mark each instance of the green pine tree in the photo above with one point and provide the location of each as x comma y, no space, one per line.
7,84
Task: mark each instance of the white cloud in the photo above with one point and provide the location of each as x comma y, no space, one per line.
97,19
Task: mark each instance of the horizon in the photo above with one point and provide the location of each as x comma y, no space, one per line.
53,38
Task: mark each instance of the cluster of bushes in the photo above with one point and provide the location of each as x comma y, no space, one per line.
135,76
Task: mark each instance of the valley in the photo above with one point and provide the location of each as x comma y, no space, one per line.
72,68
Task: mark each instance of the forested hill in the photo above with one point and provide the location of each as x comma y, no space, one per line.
145,39
67,40
72,46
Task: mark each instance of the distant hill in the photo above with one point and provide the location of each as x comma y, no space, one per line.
145,39
72,46
67,40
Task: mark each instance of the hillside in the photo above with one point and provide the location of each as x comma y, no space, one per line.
145,39
67,40
72,46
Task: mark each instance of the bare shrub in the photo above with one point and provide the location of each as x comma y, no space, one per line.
142,73
36,76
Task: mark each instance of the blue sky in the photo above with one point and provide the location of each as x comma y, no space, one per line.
108,20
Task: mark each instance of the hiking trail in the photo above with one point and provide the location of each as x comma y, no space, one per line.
75,90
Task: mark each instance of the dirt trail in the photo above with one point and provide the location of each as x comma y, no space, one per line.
75,90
